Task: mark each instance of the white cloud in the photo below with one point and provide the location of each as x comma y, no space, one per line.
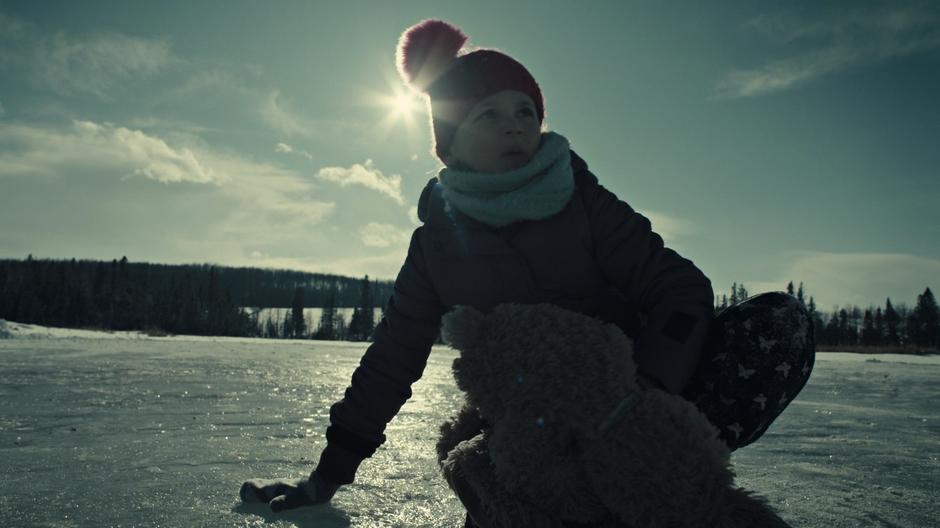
56,152
168,127
669,227
68,64
367,176
384,266
287,149
832,44
857,278
413,216
383,235
784,74
214,81
280,117
89,181
275,205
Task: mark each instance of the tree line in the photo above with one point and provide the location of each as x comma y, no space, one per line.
204,299
196,299
891,327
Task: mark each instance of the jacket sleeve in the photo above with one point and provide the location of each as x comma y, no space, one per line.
670,292
382,382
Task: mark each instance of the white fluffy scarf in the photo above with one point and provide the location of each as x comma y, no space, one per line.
536,190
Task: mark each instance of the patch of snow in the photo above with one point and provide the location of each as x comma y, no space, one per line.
12,330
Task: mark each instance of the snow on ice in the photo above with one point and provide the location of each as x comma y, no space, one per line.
122,429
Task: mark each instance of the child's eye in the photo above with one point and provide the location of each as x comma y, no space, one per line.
487,114
528,112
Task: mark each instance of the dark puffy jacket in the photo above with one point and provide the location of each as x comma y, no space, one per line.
597,256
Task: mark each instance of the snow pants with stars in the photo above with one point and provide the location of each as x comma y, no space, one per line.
757,357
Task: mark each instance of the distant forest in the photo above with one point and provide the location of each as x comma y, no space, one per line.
203,299
196,299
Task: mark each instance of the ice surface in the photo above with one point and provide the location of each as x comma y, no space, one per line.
162,431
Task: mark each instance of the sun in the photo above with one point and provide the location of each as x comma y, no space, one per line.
403,105
397,108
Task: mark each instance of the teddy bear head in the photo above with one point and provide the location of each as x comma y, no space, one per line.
542,361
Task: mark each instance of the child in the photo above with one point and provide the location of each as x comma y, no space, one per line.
515,216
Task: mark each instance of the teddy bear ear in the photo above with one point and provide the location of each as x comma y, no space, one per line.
461,327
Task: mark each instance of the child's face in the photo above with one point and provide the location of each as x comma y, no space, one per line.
502,132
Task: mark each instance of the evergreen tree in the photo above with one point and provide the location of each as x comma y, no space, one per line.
363,318
297,314
327,329
790,288
868,329
121,298
270,328
819,325
843,335
832,330
892,336
341,329
214,308
879,336
30,305
742,293
855,324
925,320
799,293
288,328
904,316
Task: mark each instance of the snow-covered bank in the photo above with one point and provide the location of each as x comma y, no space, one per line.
12,330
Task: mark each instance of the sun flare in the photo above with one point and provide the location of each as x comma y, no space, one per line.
397,109
403,105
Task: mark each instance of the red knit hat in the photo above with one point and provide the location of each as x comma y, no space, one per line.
429,61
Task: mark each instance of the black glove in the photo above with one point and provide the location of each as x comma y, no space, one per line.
287,494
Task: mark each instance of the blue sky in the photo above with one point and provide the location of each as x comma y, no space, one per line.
767,141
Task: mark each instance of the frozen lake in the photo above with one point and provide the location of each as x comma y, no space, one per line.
162,431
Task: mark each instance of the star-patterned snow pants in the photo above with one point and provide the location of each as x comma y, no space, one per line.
757,357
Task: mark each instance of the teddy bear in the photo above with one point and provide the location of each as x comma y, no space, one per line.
556,430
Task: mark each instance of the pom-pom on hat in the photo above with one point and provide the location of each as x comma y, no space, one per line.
430,61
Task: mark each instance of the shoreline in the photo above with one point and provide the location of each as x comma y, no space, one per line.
905,351
13,330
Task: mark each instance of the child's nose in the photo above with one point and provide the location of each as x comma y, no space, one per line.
513,125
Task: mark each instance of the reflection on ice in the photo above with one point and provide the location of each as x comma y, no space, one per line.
164,431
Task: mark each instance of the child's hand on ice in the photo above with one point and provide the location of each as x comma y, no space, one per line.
287,494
